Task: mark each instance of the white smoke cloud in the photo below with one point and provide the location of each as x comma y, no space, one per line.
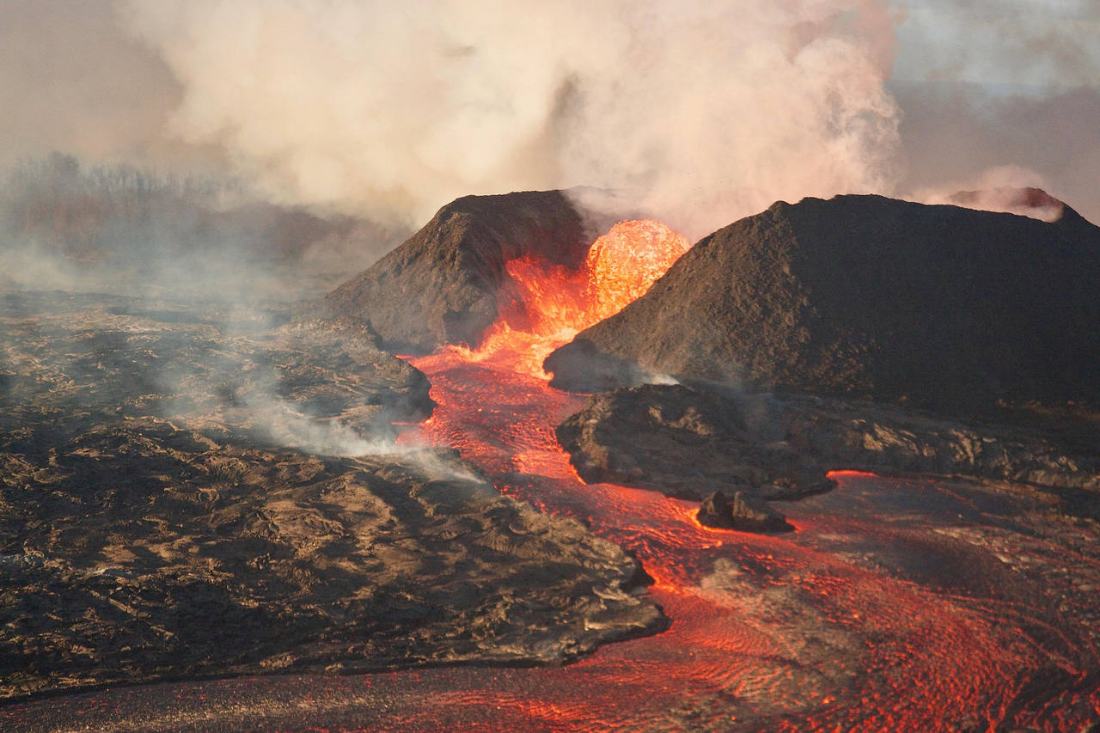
283,423
698,112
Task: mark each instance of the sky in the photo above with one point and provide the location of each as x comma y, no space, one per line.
996,84
1008,46
700,111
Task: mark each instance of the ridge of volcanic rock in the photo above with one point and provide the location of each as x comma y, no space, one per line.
441,285
939,307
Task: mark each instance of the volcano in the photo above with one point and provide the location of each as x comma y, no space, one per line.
441,285
937,307
915,602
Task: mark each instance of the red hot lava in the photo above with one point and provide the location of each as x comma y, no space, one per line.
546,305
863,619
767,632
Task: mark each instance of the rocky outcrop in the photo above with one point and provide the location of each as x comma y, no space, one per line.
686,443
442,285
689,442
741,513
939,307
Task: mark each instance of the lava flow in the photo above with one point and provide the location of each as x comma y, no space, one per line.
766,632
897,605
544,306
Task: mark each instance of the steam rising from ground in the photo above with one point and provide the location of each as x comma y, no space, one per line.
121,229
692,112
696,112
287,426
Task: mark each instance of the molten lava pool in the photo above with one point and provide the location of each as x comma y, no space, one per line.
896,605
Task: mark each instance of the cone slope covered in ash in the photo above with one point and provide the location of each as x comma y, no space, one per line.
935,306
442,285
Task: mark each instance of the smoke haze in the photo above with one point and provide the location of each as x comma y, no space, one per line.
694,112
697,112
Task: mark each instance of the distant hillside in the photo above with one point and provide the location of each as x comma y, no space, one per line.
122,228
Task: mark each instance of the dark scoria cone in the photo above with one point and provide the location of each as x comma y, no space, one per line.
441,285
741,513
939,307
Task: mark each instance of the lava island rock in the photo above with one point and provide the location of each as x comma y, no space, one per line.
741,513
689,442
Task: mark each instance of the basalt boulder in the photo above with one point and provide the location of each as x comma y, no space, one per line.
741,513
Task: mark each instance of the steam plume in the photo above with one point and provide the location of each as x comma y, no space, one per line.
697,111
694,112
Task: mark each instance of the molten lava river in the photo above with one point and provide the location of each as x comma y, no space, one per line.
896,605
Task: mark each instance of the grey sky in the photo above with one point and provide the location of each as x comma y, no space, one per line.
1000,43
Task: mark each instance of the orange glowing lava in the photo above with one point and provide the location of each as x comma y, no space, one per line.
546,305
624,263
773,628
849,473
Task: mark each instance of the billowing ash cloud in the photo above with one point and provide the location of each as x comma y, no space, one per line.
695,111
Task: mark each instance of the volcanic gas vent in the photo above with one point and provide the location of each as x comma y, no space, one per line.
937,306
441,285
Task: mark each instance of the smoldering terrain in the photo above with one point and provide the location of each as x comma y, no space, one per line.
193,492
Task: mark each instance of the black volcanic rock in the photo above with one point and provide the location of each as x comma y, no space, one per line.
935,306
687,443
441,286
690,442
184,499
740,513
